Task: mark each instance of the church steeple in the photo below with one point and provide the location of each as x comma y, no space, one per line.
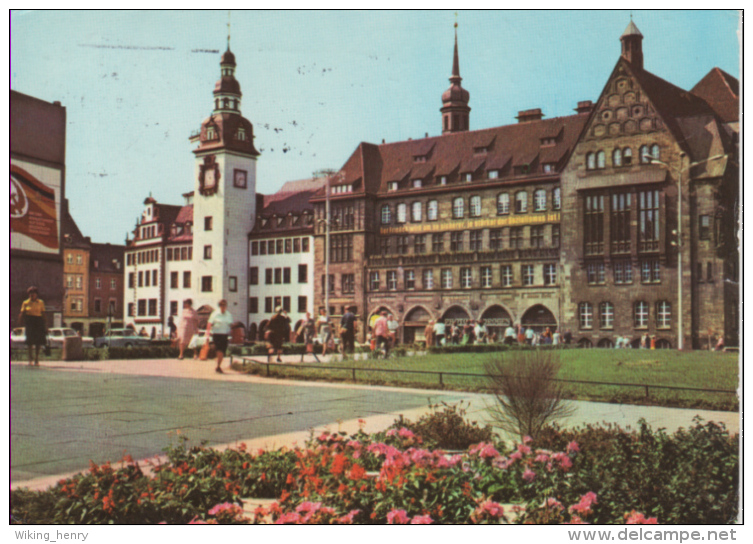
632,46
227,90
455,110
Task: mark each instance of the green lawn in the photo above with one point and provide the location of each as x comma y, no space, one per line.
694,369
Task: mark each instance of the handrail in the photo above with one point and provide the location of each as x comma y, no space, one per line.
442,373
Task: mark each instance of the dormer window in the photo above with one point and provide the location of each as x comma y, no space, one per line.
419,158
443,180
468,177
210,133
339,189
241,134
392,186
548,168
548,142
279,221
480,150
417,183
493,174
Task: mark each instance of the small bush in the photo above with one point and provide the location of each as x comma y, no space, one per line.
447,428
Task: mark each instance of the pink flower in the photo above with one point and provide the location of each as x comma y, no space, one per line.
637,518
290,517
542,458
397,517
220,507
348,518
493,508
392,432
527,439
515,456
525,450
421,520
551,502
197,521
529,475
573,447
355,444
488,452
563,459
406,433
308,506
584,505
575,520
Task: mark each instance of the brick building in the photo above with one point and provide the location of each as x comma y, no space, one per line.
620,203
106,273
76,250
559,223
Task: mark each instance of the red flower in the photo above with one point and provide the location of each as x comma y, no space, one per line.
290,479
357,472
338,465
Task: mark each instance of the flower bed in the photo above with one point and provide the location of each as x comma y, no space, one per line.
596,474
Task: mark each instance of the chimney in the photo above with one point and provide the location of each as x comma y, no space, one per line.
585,106
529,115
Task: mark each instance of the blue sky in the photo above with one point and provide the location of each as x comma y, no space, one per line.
315,84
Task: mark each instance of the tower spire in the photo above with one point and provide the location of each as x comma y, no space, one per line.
455,110
228,30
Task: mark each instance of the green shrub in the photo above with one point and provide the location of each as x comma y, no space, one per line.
447,428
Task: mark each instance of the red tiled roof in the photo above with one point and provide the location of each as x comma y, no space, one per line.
722,92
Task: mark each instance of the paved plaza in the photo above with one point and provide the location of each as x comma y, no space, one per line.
65,414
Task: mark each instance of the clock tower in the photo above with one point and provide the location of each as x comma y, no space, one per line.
224,198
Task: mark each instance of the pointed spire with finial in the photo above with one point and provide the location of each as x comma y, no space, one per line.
455,110
228,30
632,46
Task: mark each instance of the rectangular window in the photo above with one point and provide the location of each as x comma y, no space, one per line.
521,202
409,278
640,315
466,279
262,247
555,236
142,307
391,280
98,283
147,278
286,275
495,239
402,245
539,200
506,274
650,271
550,274
401,213
663,315
384,246
456,241
304,245
619,223
709,272
97,305
648,220
432,209
493,174
141,279
288,245
623,272
303,305
268,276
537,236
606,315
585,315
253,275
476,237
208,223
475,206
232,284
173,280
131,280
186,279
704,227
593,228
152,306
130,309
113,285
208,252
296,245
428,278
374,281
206,284
255,249
596,273
154,277
348,284
419,244
437,243
286,304
341,248
331,283
503,204
253,305
527,273
79,282
516,237
446,278
278,276
486,276
268,307
303,273
392,186
173,307
416,212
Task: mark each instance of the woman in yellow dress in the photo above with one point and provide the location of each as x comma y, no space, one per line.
33,318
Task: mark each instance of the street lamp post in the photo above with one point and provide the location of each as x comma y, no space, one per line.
678,242
326,250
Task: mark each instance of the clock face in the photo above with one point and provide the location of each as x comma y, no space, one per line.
209,180
240,179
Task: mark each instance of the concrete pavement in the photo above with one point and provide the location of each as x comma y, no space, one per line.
65,413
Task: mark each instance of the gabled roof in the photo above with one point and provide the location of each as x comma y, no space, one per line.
293,199
184,215
722,92
105,255
72,237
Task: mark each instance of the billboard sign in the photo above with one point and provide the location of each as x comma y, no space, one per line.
35,207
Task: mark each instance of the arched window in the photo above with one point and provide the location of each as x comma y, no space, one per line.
606,315
640,314
521,202
401,212
503,204
627,156
644,154
663,314
475,206
556,199
601,159
617,157
539,200
431,210
655,151
590,161
386,214
457,208
585,315
415,212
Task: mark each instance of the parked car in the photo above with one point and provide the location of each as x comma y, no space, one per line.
18,338
121,338
56,336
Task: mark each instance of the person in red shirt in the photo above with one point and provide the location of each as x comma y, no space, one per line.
381,332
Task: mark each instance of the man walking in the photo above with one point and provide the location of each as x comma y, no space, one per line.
381,332
348,326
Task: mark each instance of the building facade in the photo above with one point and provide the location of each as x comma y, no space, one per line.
106,274
37,180
76,251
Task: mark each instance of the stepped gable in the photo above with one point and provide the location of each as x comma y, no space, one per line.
722,92
185,215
